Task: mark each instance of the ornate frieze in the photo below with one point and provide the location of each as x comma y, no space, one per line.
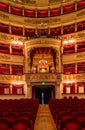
9,38
74,58
11,78
74,77
77,36
41,77
13,59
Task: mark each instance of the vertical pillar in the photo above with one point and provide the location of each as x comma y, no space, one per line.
23,11
10,88
76,68
48,12
75,6
61,9
23,31
10,29
9,8
75,27
29,91
10,69
76,47
36,13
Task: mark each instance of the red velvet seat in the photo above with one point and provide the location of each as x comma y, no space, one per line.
4,124
20,124
72,124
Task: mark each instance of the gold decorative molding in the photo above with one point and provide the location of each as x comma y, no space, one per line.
39,42
8,38
76,36
40,77
11,59
74,58
11,78
74,77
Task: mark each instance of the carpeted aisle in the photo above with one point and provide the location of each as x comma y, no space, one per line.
44,120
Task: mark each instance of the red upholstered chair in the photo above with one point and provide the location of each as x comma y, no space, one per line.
72,124
4,124
20,124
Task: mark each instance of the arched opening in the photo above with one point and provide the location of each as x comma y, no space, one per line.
43,93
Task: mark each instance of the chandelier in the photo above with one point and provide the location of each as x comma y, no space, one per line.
43,61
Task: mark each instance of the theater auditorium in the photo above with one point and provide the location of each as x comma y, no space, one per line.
42,64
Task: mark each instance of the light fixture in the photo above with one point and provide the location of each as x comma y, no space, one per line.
43,62
68,41
42,24
16,42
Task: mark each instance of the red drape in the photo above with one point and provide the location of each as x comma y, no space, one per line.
29,13
16,86
55,12
42,13
68,9
4,7
16,10
69,29
55,31
81,4
29,32
17,30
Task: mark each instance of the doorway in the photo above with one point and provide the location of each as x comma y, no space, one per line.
43,94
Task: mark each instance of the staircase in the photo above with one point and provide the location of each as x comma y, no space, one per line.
44,120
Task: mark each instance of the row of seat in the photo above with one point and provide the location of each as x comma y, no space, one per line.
68,113
24,110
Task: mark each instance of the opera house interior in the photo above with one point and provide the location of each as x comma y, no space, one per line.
42,64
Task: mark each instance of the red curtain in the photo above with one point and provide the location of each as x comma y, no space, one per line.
17,69
69,29
17,86
42,13
67,49
68,9
81,26
72,87
17,50
4,28
55,12
4,48
29,13
17,30
3,86
4,69
69,69
16,10
4,7
81,67
81,4
29,32
55,31
81,46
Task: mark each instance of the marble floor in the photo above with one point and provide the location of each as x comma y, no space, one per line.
44,120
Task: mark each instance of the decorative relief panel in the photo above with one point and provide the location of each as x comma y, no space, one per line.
74,77
4,58
11,78
9,38
74,58
41,77
43,42
76,36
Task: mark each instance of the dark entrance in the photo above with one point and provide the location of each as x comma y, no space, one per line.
44,94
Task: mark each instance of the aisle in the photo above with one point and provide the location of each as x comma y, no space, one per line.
44,120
